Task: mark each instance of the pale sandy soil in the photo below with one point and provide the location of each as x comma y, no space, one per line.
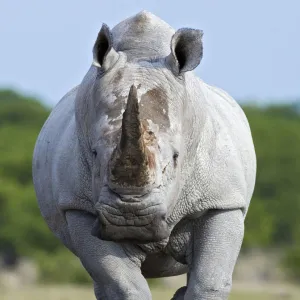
240,292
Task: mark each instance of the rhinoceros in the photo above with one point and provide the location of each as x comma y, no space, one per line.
143,170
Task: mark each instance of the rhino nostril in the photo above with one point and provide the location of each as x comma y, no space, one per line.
130,199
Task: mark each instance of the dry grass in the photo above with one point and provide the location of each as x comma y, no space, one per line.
79,293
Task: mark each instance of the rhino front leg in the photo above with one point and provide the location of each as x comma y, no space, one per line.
116,274
217,240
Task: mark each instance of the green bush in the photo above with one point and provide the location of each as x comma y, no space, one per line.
291,262
61,267
272,220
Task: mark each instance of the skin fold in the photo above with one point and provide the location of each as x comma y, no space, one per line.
143,170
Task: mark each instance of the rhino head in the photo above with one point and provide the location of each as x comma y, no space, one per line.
134,122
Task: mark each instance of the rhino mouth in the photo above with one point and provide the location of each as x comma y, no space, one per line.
134,221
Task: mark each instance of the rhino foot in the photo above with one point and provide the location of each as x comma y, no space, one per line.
179,295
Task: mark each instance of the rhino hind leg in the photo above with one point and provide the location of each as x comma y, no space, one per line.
180,293
162,265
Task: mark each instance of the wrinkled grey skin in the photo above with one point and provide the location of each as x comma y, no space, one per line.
188,216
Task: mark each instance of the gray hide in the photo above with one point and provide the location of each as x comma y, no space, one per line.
143,170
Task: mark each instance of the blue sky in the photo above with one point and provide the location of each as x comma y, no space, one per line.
251,48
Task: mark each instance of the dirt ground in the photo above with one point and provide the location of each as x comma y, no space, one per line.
240,292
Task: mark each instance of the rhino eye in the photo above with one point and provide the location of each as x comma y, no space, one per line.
94,153
175,156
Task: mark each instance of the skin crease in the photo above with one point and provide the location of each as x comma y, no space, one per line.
188,215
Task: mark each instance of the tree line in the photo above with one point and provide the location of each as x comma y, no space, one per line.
272,220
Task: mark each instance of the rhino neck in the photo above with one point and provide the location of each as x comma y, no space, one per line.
197,126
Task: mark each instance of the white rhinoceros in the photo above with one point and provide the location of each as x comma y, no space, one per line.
143,170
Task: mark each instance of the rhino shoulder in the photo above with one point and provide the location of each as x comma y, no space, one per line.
222,100
56,161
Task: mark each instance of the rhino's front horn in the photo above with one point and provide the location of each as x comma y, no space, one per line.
129,166
131,126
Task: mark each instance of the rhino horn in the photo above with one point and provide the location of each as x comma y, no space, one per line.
131,125
130,160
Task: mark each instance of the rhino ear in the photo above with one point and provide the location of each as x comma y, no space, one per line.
186,50
104,55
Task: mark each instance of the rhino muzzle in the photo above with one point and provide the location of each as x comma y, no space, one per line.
142,221
132,165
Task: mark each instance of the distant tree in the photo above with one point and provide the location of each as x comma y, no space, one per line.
272,220
276,135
